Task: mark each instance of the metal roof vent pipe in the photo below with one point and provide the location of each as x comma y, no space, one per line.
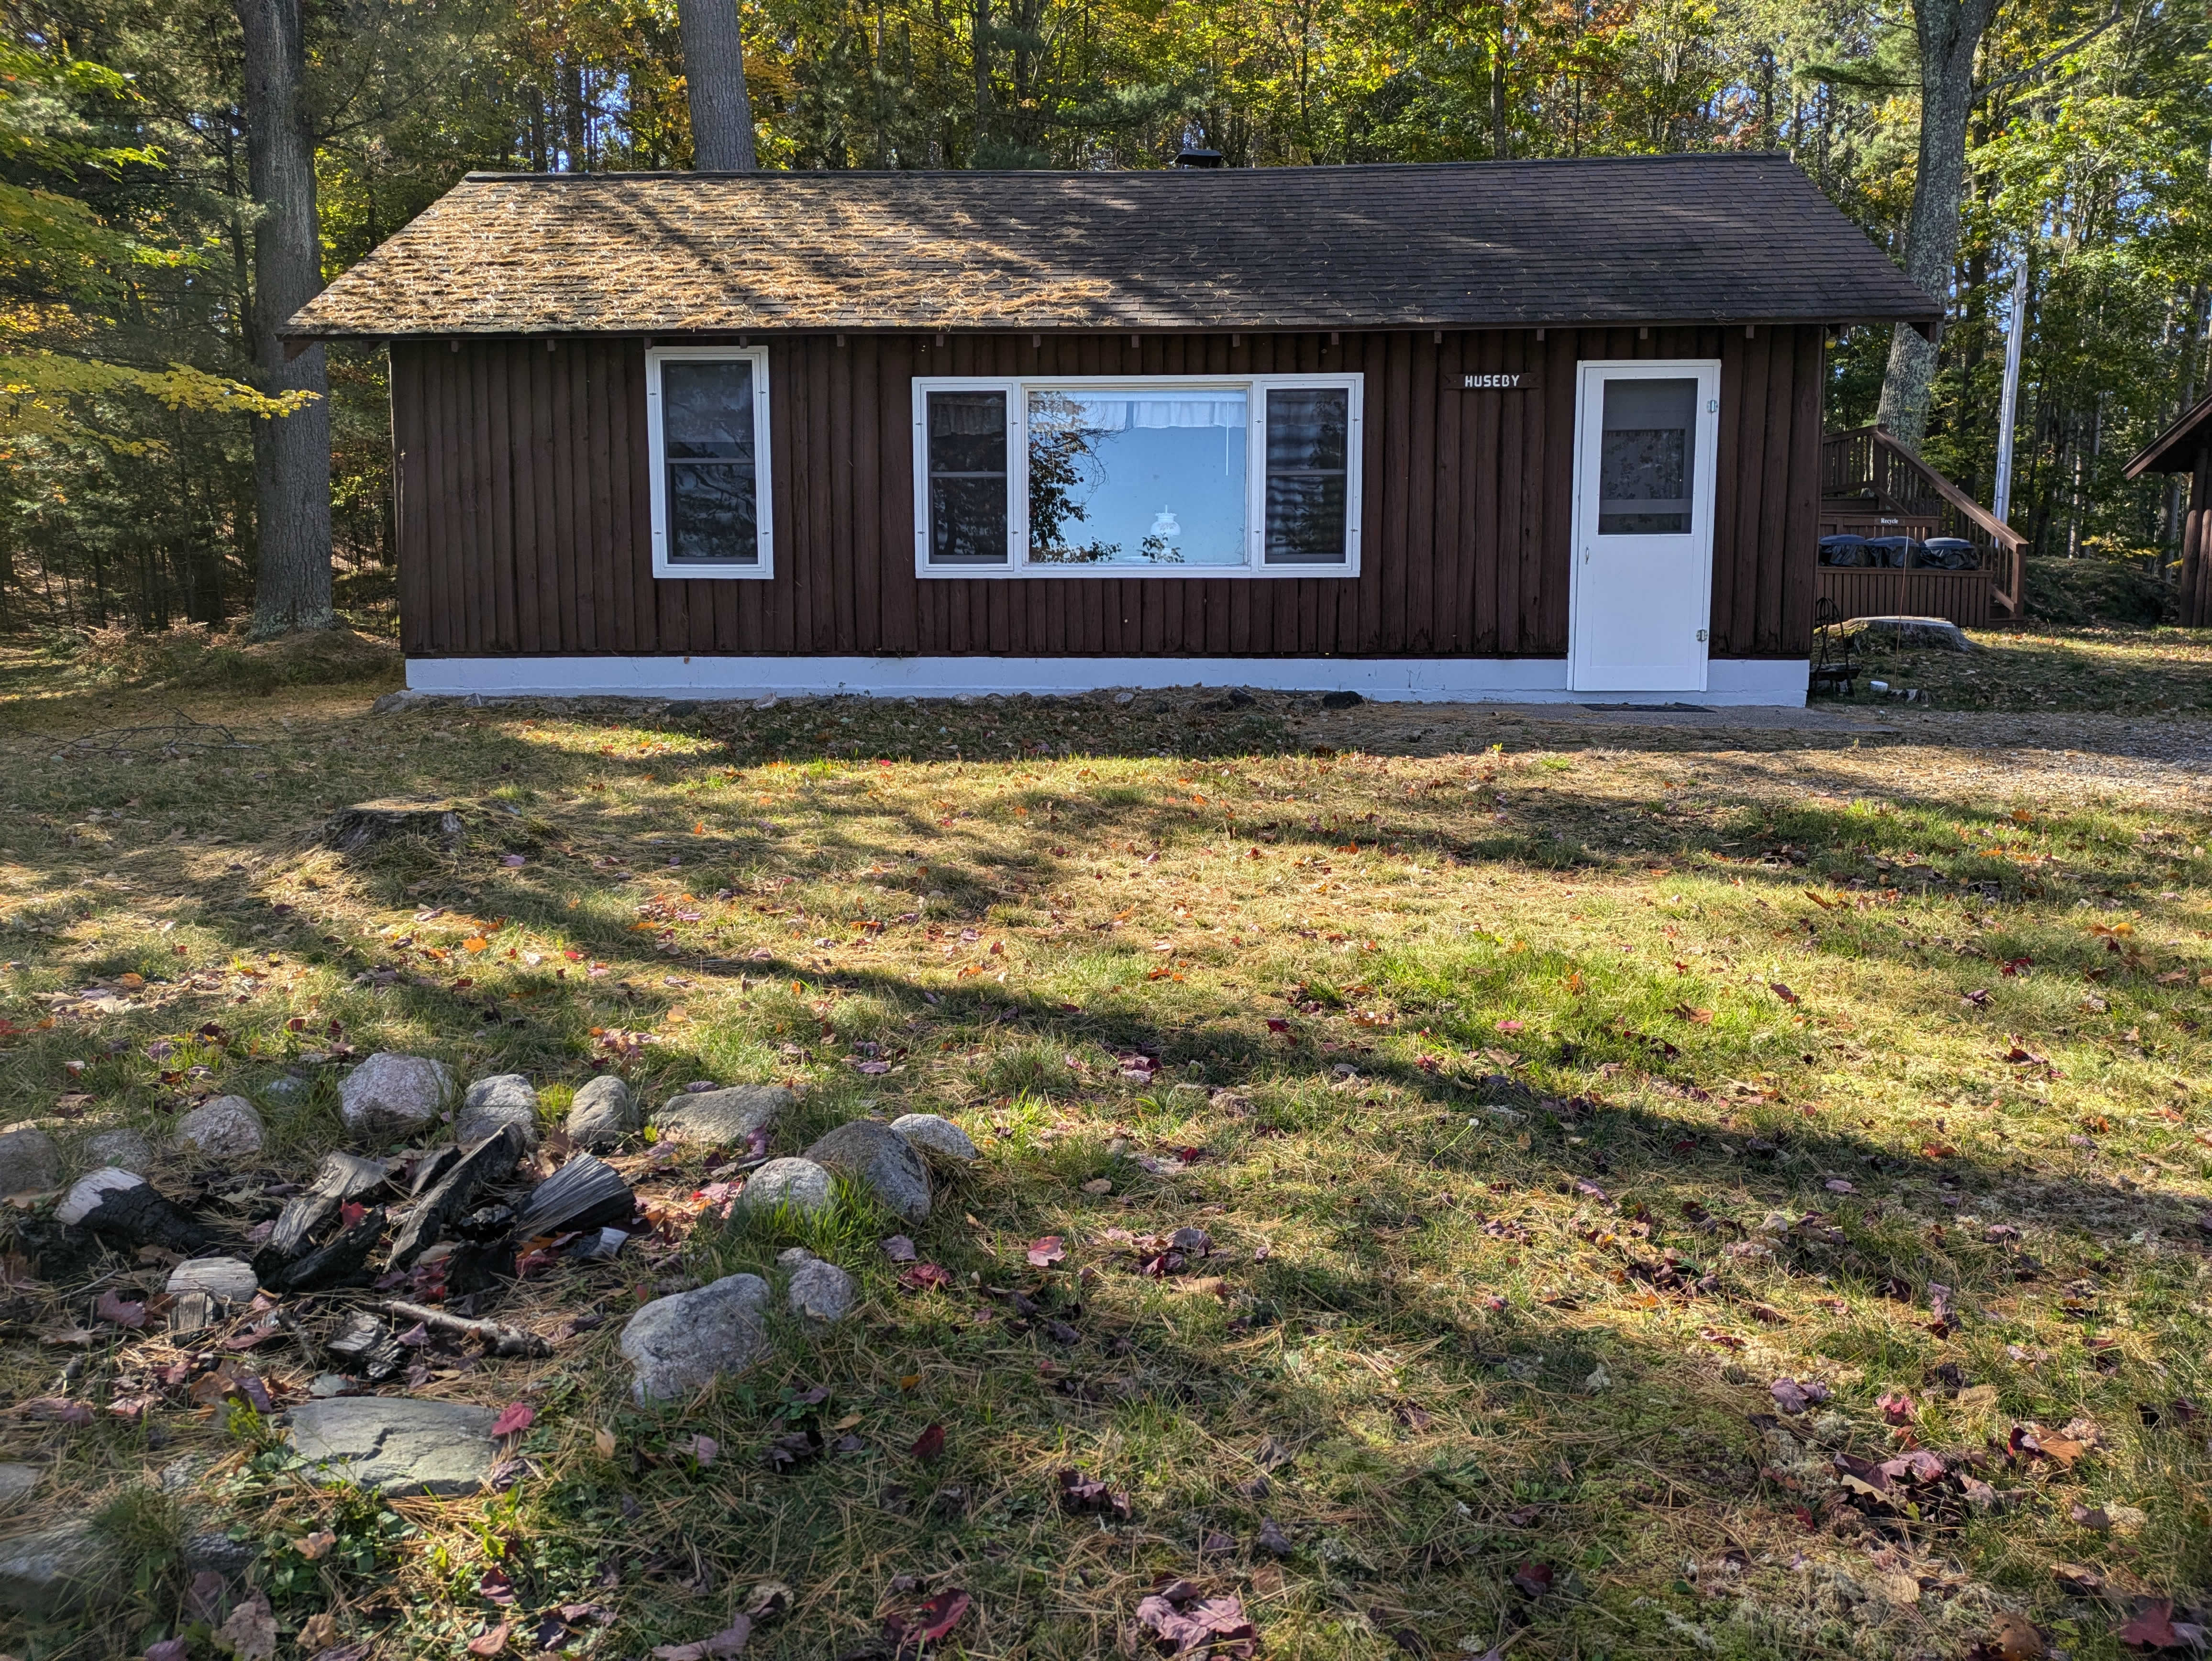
1191,158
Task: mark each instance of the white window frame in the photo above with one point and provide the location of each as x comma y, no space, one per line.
1017,389
763,497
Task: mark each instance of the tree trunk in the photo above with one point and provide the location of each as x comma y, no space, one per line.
714,86
1498,144
291,454
1950,32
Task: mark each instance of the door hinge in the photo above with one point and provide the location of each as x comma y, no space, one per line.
1701,636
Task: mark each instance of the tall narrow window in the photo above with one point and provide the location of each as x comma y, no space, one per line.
1309,475
968,453
708,424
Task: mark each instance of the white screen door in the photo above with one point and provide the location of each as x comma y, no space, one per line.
1642,604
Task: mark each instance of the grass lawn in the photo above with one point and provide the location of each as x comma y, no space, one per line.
2109,670
1668,1193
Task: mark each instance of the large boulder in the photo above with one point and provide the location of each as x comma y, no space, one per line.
57,1571
679,1344
395,1443
602,1113
800,1183
29,1161
227,1128
390,1093
723,1118
881,1158
940,1140
492,1104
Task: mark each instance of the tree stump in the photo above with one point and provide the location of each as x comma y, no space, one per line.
351,830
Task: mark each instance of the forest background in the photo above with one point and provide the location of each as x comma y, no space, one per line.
128,393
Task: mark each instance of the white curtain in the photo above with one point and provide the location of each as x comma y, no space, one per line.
1100,412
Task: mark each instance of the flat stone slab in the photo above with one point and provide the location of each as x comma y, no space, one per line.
397,1444
16,1482
57,1571
727,1118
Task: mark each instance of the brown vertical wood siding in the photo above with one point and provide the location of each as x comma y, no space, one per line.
525,522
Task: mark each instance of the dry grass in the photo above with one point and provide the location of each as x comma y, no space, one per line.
1506,1132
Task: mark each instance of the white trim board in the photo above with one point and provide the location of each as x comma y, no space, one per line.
1733,682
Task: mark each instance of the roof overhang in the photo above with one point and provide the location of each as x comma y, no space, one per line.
2176,449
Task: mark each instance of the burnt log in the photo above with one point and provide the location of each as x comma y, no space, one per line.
491,1161
120,1206
343,1176
586,1193
342,1262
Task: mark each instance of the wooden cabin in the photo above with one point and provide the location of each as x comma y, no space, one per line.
2186,448
1521,431
1874,488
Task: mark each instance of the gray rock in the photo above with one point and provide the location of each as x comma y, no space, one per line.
603,1112
940,1140
391,1092
396,1444
126,1150
821,1291
677,1344
791,1256
211,1551
726,1118
800,1183
16,1482
29,1162
288,1087
505,1098
226,1280
227,1128
882,1158
1939,633
57,1571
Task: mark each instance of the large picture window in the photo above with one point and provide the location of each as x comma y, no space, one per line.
707,423
1099,477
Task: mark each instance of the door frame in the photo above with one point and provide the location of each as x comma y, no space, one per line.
1703,490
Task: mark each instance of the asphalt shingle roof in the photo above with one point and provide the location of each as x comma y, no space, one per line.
1680,238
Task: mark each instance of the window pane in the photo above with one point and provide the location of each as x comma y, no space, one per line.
968,478
711,514
1308,493
1144,479
1646,459
707,410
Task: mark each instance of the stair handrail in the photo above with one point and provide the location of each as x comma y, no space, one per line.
1883,441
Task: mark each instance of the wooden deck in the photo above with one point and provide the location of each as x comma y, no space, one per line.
1873,486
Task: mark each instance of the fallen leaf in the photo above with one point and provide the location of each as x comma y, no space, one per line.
1080,1493
2014,1638
2153,1627
605,1441
1897,1407
1793,1396
925,1277
1782,992
1045,1252
1185,1624
929,1446
926,1625
518,1417
316,1546
1532,1579
899,1248
250,1634
704,1449
119,1312
731,1640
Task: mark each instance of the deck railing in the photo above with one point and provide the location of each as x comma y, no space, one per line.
1869,462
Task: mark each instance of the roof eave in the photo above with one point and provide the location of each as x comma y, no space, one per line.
2158,456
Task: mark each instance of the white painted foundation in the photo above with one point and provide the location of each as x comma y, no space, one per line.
1730,682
